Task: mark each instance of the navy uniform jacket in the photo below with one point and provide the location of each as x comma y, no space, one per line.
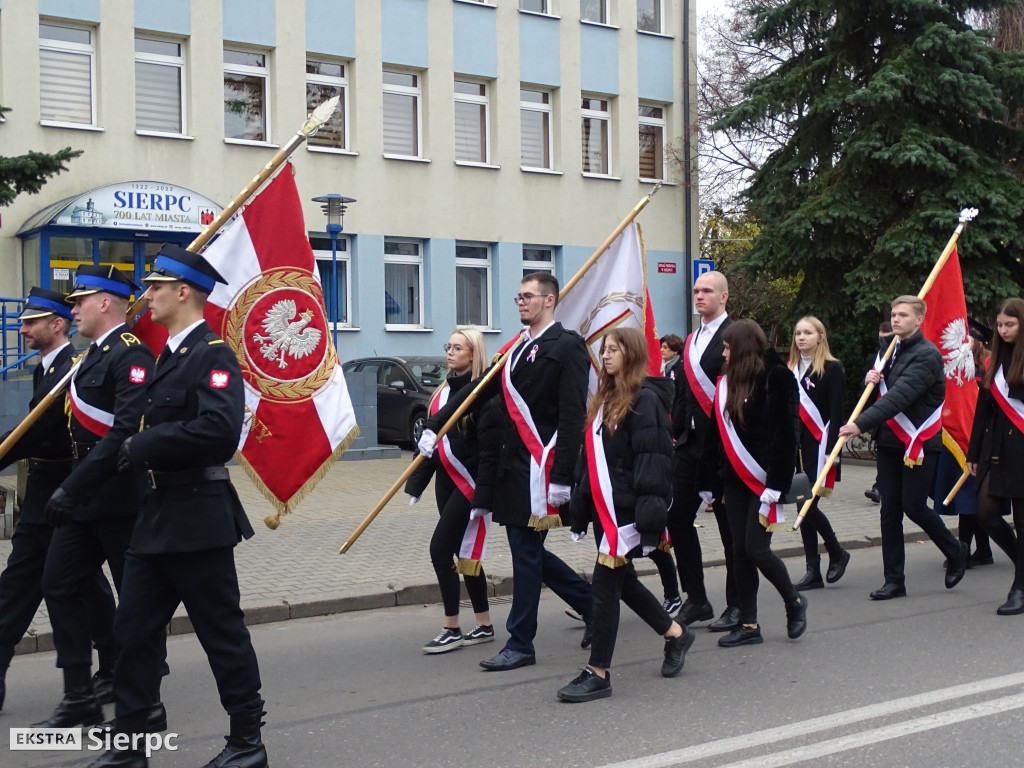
47,439
194,410
554,385
113,378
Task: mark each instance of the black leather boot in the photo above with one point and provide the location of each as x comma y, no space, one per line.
103,680
6,654
837,566
79,706
1014,604
134,756
244,748
155,722
812,579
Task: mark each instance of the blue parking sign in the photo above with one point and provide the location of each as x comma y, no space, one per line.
700,266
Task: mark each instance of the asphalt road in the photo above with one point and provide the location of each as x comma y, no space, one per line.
931,680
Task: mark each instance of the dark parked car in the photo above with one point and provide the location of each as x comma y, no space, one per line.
404,387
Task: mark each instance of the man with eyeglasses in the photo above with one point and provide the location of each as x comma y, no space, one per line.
538,423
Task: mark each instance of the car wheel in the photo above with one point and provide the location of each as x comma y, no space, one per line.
419,419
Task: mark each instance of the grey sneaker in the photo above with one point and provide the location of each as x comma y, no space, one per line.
448,640
480,634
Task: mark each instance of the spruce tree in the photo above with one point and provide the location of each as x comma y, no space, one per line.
29,172
899,115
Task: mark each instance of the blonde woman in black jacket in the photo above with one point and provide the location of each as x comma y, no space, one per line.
625,485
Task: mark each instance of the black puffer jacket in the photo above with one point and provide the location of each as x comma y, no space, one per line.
916,387
771,424
639,456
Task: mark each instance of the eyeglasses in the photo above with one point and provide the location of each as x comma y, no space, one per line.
526,298
453,348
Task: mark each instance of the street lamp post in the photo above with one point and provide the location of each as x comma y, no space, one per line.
333,205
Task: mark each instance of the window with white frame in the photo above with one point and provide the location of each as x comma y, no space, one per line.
472,141
246,95
535,128
337,291
596,122
325,80
652,141
159,86
538,258
650,15
402,126
473,284
403,283
67,74
594,10
537,6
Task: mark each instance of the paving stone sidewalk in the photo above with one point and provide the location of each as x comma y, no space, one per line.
296,571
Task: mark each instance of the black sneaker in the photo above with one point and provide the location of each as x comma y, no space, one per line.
448,640
587,687
672,605
480,634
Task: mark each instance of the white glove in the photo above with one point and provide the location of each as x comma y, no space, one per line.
578,537
645,551
558,494
707,497
477,512
427,443
413,500
770,496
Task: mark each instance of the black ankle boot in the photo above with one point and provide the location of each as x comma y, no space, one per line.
244,748
132,757
837,566
1014,604
812,579
79,706
6,654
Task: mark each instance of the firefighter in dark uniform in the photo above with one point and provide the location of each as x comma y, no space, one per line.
45,322
93,509
182,549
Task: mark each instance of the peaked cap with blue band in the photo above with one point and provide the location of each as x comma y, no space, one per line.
41,302
176,264
92,278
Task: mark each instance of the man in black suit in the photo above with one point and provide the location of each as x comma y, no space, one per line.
93,509
702,359
182,548
46,445
541,408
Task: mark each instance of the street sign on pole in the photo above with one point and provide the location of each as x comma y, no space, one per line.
700,266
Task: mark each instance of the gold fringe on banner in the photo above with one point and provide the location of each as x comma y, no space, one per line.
468,567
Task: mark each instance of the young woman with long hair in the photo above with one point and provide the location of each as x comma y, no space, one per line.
624,489
820,383
996,451
459,540
751,445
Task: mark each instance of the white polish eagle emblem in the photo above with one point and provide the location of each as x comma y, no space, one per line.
957,358
286,335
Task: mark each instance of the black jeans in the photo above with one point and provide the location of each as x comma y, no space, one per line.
904,491
610,585
752,551
444,548
816,523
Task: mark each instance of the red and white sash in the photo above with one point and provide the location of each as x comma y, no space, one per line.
456,469
616,541
753,475
1011,406
542,516
811,418
913,438
94,419
703,388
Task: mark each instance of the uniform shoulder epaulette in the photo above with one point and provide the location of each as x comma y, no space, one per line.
211,342
130,339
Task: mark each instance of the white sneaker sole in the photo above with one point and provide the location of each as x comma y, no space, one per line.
444,648
477,640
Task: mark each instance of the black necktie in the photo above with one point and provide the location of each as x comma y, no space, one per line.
37,376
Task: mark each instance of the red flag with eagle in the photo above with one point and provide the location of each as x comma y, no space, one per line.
613,294
945,325
298,415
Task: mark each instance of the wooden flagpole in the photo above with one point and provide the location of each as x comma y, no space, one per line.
320,116
965,216
396,486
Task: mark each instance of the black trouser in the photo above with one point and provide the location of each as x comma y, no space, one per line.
681,517
444,548
990,513
206,582
609,585
21,591
816,523
904,491
77,551
667,572
752,551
